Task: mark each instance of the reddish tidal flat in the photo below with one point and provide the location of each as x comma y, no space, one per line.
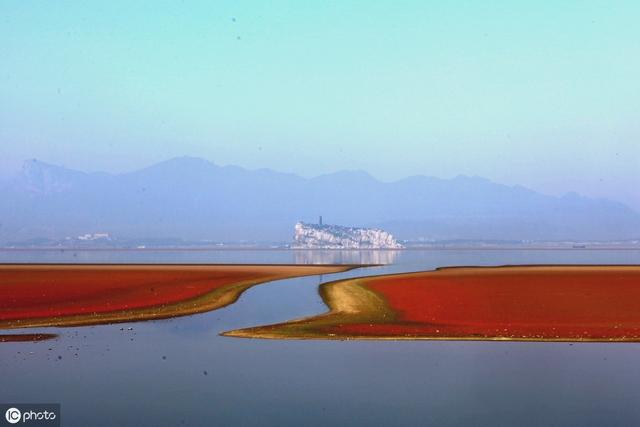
34,295
542,303
26,337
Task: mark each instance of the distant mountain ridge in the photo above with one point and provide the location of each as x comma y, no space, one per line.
192,198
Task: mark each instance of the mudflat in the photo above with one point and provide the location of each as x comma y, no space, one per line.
41,295
539,303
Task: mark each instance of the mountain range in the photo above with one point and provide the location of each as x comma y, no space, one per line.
192,198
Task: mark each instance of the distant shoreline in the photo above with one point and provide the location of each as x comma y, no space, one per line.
249,249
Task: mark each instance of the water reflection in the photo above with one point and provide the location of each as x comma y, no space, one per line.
319,256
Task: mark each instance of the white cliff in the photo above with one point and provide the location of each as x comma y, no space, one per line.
324,236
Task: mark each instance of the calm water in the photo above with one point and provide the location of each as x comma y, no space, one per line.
155,374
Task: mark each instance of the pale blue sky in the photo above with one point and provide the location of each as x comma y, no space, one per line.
543,94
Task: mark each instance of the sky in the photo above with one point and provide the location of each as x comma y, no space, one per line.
543,94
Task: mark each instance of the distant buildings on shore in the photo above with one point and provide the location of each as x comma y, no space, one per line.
94,236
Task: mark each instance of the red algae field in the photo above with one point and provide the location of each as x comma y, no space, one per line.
540,303
26,337
41,295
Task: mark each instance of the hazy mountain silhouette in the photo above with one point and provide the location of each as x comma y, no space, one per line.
193,198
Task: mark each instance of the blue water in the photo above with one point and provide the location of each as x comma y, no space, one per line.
154,374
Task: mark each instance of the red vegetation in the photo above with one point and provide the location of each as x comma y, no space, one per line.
87,294
47,292
26,337
596,303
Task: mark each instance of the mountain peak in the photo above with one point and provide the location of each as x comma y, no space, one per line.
571,195
41,177
186,161
178,166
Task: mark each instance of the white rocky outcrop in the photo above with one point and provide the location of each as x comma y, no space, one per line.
324,236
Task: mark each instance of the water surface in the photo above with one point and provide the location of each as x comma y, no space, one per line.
181,372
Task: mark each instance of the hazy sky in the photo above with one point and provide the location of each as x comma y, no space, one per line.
543,94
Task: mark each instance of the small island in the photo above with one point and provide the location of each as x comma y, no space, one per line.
325,236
